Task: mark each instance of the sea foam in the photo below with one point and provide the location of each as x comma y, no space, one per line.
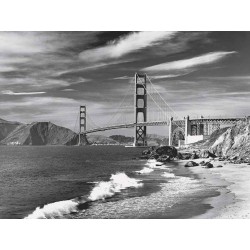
155,164
102,190
145,170
168,175
53,210
117,182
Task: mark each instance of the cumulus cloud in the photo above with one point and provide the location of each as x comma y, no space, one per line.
9,92
125,45
191,62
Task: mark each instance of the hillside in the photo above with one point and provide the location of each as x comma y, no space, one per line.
7,127
101,139
153,140
232,142
121,139
41,133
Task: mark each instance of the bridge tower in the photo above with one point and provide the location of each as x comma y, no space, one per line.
140,103
83,123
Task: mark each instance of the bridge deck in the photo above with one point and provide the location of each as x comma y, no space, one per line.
128,125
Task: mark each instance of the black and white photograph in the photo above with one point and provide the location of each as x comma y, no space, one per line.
124,125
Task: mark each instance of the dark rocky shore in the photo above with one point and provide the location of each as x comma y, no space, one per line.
228,144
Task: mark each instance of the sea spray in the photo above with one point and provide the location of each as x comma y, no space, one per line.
102,190
118,182
54,210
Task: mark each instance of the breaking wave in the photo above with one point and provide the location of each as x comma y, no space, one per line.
102,190
145,170
155,164
118,182
54,210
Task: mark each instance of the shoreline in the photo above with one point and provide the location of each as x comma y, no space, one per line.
232,182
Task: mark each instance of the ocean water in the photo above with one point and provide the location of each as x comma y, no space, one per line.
95,182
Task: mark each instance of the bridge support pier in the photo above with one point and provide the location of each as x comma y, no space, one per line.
140,109
83,124
170,132
187,129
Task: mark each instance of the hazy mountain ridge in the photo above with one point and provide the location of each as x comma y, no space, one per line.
40,133
7,127
47,133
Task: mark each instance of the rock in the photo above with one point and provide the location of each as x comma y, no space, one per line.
208,165
179,156
219,166
146,152
194,156
164,158
222,159
186,156
158,164
154,156
207,154
167,150
191,164
202,163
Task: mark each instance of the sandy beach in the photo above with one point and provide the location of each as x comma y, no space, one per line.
232,181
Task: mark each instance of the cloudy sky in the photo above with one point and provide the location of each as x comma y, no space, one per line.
45,76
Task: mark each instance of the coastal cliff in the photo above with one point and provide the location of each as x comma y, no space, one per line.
232,143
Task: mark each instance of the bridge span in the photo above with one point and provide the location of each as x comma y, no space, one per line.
129,125
181,131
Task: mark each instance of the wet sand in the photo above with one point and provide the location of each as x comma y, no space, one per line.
233,183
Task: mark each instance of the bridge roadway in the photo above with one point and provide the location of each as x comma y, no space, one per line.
128,125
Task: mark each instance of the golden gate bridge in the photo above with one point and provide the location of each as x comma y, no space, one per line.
143,106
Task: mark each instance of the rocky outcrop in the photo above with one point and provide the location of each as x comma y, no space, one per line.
234,143
191,164
41,133
161,154
170,151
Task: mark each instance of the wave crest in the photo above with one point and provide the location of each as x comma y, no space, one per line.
118,182
53,210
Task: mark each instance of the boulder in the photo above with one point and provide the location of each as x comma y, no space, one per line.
186,156
219,166
191,164
164,158
179,156
208,165
154,156
167,150
194,156
207,154
146,152
202,163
